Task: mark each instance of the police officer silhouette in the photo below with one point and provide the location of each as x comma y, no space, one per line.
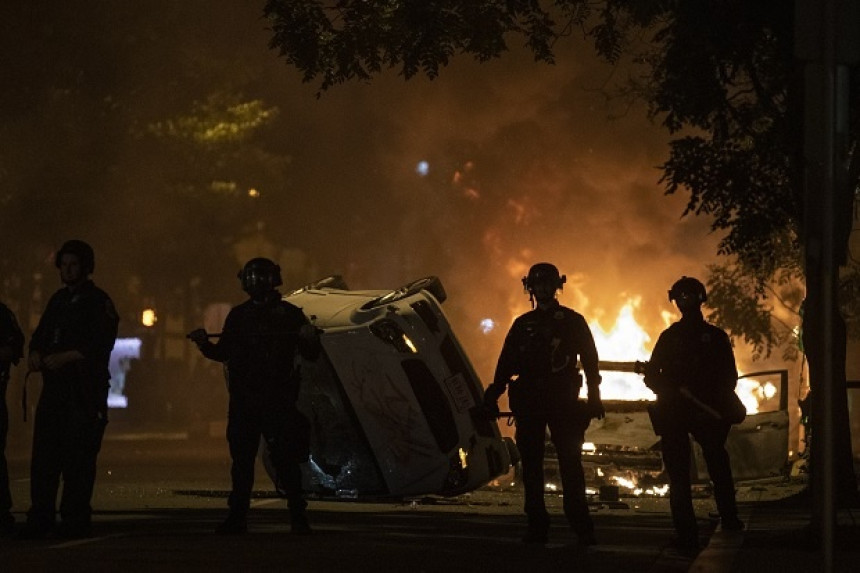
538,367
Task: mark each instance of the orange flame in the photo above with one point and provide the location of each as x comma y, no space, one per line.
628,341
625,341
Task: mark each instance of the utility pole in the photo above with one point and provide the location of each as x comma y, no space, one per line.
826,41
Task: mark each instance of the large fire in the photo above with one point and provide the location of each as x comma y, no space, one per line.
619,348
627,341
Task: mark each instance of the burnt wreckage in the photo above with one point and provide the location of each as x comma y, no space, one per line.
622,450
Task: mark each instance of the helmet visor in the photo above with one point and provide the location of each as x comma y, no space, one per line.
258,281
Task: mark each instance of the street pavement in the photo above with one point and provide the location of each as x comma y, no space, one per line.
159,497
779,537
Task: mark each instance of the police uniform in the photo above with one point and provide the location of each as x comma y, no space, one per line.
538,364
696,355
72,411
12,338
259,345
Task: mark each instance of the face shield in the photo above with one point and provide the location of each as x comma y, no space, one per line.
260,277
257,282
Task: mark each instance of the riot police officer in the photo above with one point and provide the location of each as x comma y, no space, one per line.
692,370
258,345
538,366
11,350
71,348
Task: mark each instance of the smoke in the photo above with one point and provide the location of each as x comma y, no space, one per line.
525,162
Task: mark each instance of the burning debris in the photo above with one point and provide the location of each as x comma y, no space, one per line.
622,454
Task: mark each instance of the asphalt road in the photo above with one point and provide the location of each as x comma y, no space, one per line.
159,498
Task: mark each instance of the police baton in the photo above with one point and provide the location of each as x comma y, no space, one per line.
685,392
208,335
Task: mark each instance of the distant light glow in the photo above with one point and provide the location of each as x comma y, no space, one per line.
488,325
223,186
148,317
253,193
422,169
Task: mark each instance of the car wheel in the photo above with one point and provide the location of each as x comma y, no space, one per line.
431,284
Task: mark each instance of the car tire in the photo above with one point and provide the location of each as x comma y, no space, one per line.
431,284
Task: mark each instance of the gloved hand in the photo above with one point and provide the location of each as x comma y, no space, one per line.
309,332
594,406
198,336
57,360
34,362
491,402
595,409
491,409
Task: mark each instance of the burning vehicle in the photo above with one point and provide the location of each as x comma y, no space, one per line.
394,405
393,401
623,453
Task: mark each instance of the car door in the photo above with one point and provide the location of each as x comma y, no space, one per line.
758,446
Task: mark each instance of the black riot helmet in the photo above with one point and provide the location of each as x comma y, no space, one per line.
260,276
545,273
690,288
542,282
80,249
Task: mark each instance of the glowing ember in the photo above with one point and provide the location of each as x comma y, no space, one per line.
753,392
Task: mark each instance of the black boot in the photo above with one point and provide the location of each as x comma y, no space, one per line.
536,534
298,519
74,530
7,525
731,524
235,524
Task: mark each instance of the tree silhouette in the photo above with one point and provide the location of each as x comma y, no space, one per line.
720,76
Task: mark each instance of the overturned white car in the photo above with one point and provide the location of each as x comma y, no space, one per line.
394,403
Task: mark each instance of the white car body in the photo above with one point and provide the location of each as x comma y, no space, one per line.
394,403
